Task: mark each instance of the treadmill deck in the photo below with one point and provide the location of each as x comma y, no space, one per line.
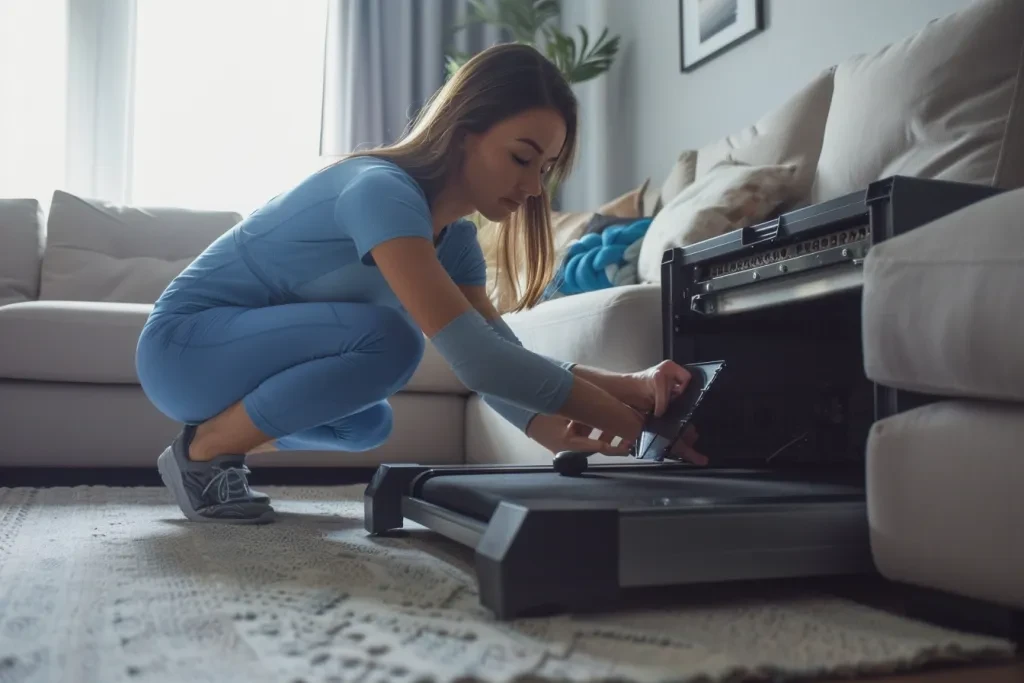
644,488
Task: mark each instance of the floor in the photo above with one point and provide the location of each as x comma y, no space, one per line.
943,610
870,591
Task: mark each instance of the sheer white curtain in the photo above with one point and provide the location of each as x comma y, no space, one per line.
101,44
33,60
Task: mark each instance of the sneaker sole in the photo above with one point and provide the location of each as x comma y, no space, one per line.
170,474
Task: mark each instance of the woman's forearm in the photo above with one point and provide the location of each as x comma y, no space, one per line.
591,405
612,382
547,430
622,386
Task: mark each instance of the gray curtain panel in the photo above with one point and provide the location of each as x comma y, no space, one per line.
384,58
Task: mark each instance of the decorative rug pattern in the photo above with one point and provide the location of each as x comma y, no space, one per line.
112,584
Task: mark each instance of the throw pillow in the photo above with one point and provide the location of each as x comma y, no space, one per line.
729,196
627,205
682,175
97,250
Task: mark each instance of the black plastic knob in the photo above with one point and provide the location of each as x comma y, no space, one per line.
571,463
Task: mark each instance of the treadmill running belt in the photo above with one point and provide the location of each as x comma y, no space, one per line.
478,495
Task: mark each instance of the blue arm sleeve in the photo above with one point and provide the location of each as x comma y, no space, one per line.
516,415
488,364
382,203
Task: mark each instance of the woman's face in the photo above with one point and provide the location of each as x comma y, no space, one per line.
508,163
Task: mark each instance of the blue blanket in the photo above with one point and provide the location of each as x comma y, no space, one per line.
600,260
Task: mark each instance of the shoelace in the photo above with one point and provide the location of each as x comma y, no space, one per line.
230,485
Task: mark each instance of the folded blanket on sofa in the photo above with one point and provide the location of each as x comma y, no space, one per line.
599,260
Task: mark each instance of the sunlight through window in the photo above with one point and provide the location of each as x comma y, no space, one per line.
33,59
228,100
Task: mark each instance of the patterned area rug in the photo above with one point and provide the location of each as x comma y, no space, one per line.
111,584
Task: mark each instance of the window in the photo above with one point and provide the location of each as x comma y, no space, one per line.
32,85
227,100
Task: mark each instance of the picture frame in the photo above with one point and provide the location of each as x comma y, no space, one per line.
707,28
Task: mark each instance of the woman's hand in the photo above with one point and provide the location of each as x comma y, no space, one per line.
684,450
653,389
558,434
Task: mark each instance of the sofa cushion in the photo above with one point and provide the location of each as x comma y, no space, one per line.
942,304
21,248
70,341
946,103
944,503
790,134
617,329
99,251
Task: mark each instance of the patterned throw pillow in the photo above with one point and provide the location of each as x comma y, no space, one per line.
728,197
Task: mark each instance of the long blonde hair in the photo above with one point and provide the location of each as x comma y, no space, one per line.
493,85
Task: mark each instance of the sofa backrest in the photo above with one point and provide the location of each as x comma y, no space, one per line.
945,103
22,234
100,251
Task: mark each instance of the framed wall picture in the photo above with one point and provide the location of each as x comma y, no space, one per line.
709,27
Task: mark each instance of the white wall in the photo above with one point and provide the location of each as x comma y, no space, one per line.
642,114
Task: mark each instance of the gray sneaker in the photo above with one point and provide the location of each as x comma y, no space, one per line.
214,491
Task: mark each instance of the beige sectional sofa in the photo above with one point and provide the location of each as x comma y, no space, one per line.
942,307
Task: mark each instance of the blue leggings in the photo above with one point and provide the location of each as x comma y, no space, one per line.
312,376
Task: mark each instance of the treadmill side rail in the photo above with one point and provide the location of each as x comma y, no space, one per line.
460,528
542,561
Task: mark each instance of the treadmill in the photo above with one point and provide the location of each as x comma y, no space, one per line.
767,319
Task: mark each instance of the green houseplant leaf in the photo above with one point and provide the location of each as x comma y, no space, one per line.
581,64
530,22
